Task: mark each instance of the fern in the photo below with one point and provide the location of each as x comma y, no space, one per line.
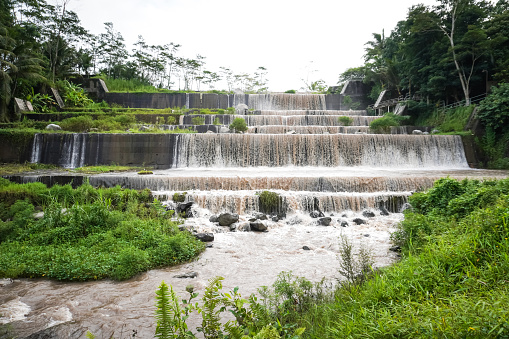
163,316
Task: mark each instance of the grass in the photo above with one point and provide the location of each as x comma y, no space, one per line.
86,233
106,169
9,169
452,120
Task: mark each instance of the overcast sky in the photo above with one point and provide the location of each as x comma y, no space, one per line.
294,40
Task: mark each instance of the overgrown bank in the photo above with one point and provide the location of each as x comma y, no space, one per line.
86,233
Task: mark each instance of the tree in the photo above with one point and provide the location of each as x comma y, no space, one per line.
472,47
112,48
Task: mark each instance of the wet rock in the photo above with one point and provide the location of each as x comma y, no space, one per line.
210,132
260,216
344,215
425,133
366,235
306,248
233,227
368,214
252,219
204,237
344,224
294,221
144,128
186,275
258,226
224,130
383,211
316,214
226,219
435,131
325,221
406,206
244,227
214,218
53,127
359,221
185,209
395,249
417,132
291,132
209,245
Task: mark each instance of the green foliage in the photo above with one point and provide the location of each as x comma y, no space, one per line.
179,197
345,121
73,95
384,124
42,103
252,319
493,111
291,91
230,110
496,149
269,201
145,172
238,125
216,122
198,120
103,123
86,233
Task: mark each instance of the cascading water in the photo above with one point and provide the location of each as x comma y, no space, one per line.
337,175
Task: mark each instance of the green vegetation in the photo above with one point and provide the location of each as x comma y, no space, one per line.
347,100
9,169
86,233
145,172
179,196
252,319
345,121
384,124
105,169
449,120
198,120
269,201
238,125
291,91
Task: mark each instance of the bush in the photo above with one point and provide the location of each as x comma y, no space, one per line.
238,125
345,121
384,124
494,109
77,124
270,202
198,120
291,91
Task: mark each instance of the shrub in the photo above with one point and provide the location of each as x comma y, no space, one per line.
494,109
77,124
291,91
384,124
198,120
238,125
179,197
270,201
345,121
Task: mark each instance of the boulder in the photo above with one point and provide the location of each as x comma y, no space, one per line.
344,224
214,218
258,226
395,249
223,129
316,214
143,128
306,248
260,216
435,131
425,133
53,127
417,132
244,227
368,214
359,221
186,275
383,211
325,221
204,237
184,209
226,219
291,132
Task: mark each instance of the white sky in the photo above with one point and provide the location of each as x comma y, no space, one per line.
294,40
